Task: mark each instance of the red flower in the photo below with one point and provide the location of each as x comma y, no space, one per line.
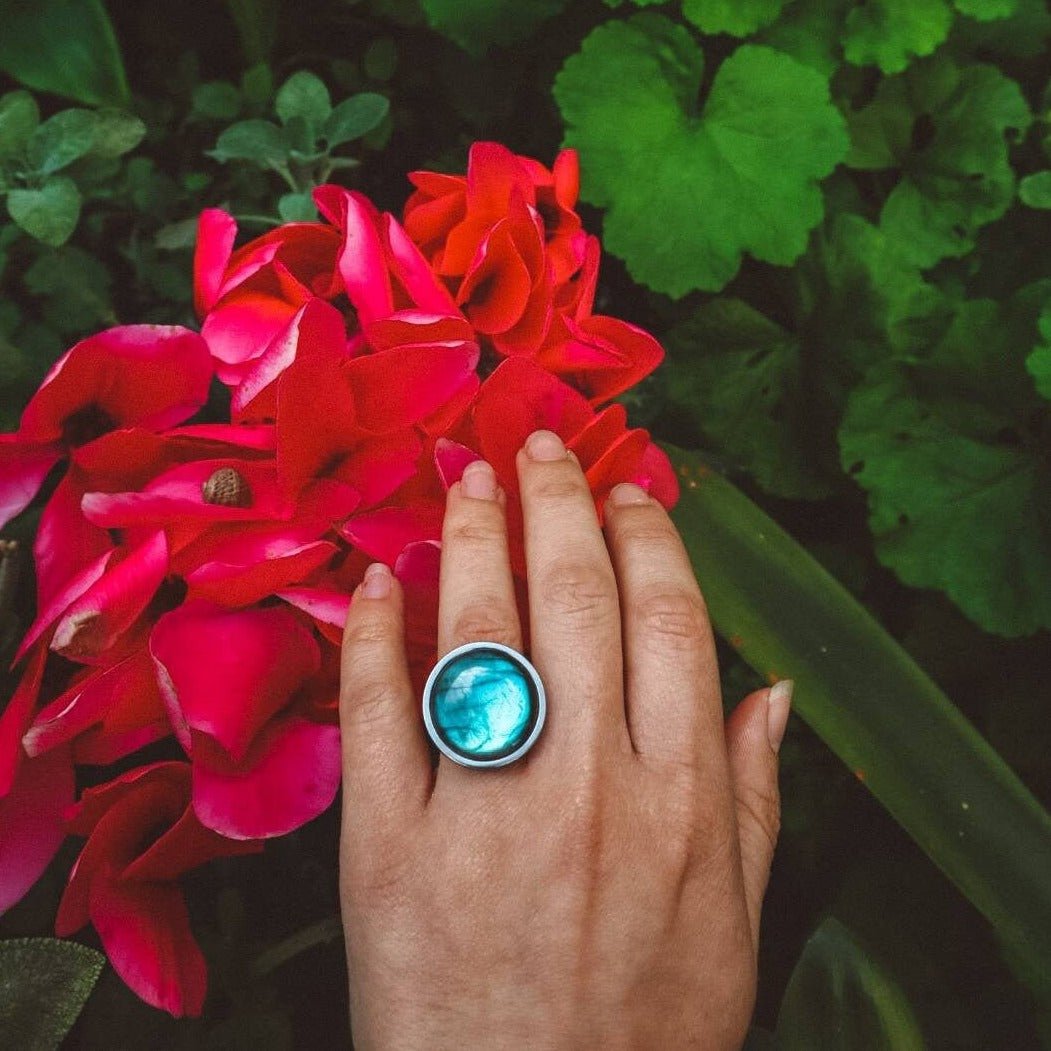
149,376
141,837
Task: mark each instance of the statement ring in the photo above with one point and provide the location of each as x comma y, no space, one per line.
484,704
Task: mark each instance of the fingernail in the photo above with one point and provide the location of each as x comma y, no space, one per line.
377,581
778,705
545,445
627,493
479,481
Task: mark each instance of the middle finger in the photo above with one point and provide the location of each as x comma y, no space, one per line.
574,611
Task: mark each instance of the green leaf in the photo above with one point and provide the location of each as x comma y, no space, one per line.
216,100
44,984
809,31
19,117
66,47
354,117
871,704
889,33
838,996
116,133
61,139
49,214
76,289
252,140
986,10
736,17
303,95
740,377
959,499
380,60
1035,190
947,129
687,193
297,208
1039,362
1023,34
477,25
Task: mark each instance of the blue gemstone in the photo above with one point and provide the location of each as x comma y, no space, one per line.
483,704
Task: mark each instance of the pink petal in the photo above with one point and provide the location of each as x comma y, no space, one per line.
242,327
384,533
225,672
16,716
216,232
450,459
426,290
289,776
324,605
32,822
149,376
93,622
145,930
23,468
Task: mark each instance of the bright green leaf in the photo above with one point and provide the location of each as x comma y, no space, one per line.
297,208
303,95
956,175
986,10
689,192
62,139
838,996
740,377
736,17
354,117
1035,190
889,33
476,25
64,46
50,213
950,512
19,117
116,132
252,140
44,984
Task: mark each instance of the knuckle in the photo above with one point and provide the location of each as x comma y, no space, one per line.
486,620
676,619
651,528
365,634
559,488
473,531
577,590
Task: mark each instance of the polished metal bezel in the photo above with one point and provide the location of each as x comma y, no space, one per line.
443,746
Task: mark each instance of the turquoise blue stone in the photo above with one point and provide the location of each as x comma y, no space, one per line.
483,704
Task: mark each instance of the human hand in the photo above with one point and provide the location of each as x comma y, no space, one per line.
603,891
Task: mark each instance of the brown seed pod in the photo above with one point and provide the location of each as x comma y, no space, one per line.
228,488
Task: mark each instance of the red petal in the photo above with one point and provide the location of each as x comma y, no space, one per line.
16,717
150,376
288,777
227,672
145,930
383,534
32,822
656,474
426,290
216,232
242,327
450,459
23,468
496,287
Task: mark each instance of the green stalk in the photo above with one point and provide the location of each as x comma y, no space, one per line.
874,707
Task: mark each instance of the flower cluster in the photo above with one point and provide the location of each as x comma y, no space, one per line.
193,577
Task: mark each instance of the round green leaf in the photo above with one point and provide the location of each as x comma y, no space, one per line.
736,17
62,139
297,208
44,984
252,140
216,100
19,117
889,33
116,132
49,214
839,997
64,46
690,191
303,95
354,117
1035,190
986,10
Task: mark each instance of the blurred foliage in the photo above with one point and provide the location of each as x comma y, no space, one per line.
834,214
